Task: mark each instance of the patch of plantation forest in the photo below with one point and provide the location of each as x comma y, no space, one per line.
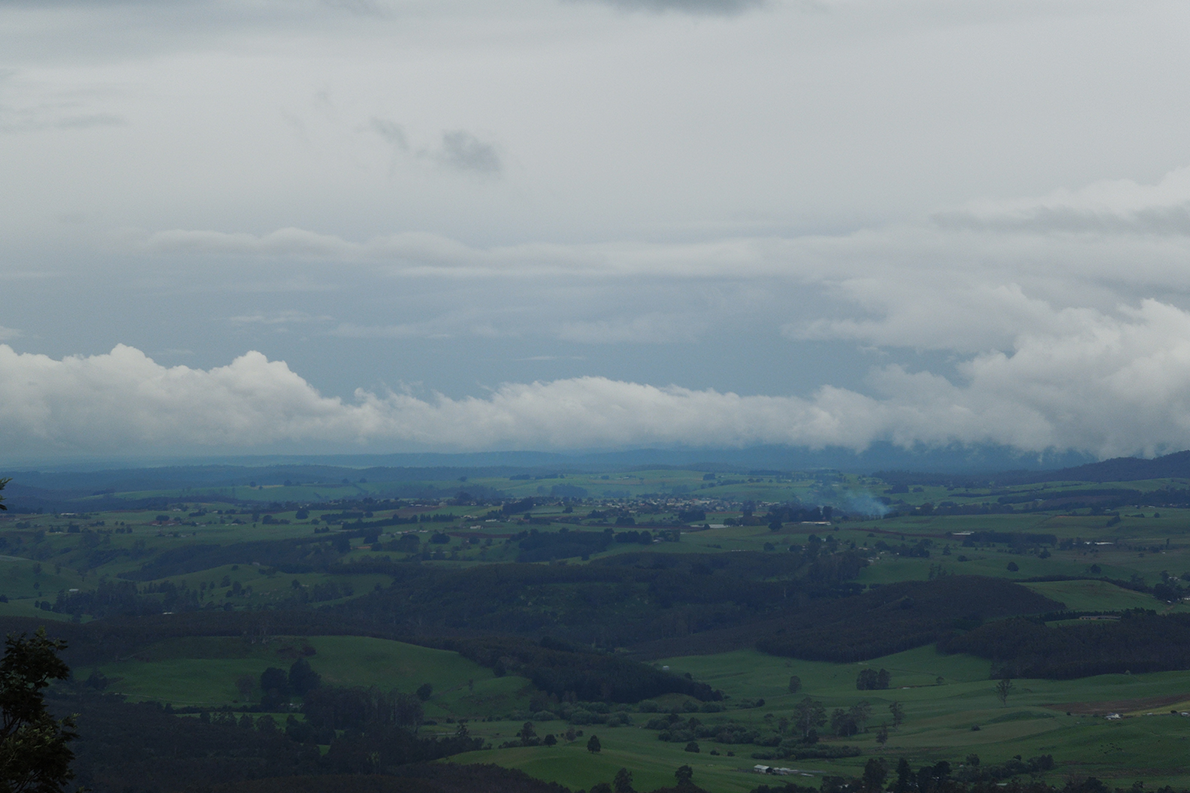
901,616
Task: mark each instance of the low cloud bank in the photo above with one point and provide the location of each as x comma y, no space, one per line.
1118,385
1110,207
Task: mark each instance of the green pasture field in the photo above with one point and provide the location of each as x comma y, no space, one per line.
1114,561
944,696
1090,595
25,578
662,482
268,585
202,672
25,608
652,762
810,487
885,568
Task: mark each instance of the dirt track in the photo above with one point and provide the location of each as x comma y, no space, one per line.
1117,705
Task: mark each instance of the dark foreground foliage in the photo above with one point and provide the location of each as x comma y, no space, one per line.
35,754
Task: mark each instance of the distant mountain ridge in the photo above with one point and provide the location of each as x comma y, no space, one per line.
1117,469
1126,469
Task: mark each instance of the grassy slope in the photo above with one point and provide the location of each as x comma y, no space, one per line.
940,715
1092,595
203,671
939,718
652,762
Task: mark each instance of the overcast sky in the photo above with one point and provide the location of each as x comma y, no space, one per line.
387,225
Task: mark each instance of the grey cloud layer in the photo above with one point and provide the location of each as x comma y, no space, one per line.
17,122
703,193
686,6
1104,208
1069,355
964,289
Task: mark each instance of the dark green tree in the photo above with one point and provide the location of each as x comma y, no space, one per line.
274,680
593,744
1004,689
623,781
872,680
35,755
807,715
904,777
842,723
302,678
860,712
684,775
875,772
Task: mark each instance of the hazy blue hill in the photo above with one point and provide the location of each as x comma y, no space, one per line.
1118,469
1124,469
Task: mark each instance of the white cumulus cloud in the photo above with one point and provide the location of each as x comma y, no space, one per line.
1117,384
